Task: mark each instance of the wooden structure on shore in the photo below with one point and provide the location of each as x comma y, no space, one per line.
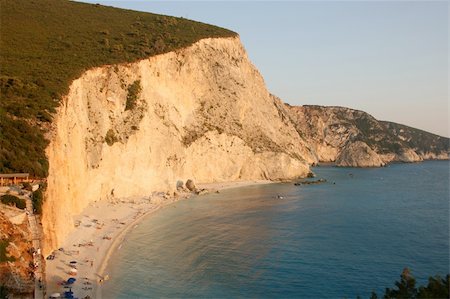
13,178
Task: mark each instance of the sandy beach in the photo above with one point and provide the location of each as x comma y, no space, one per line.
100,230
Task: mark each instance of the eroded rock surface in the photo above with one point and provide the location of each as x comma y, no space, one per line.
355,138
202,113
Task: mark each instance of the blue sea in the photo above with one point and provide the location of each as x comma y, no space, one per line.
349,236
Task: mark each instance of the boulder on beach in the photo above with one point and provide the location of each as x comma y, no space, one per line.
190,185
180,185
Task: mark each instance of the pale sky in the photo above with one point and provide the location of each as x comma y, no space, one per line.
387,58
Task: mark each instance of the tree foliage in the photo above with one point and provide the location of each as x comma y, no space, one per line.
38,200
406,288
4,253
3,292
13,201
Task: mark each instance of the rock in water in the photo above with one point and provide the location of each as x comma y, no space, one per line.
190,185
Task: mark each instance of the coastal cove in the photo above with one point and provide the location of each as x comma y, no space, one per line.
100,230
323,241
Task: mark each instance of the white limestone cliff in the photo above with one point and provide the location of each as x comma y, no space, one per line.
203,113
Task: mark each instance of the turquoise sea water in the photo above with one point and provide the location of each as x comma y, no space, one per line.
320,241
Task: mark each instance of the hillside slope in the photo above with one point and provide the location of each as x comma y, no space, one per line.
355,138
425,144
46,44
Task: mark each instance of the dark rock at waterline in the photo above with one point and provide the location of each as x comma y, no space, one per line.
201,191
319,181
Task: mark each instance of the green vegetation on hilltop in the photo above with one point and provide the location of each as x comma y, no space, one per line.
45,44
376,136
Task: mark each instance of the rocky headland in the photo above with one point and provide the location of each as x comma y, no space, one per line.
354,138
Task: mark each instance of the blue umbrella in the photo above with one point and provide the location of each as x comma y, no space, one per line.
71,280
68,294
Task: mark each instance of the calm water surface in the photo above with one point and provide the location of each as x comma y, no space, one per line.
321,241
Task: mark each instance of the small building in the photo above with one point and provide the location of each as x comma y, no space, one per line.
13,178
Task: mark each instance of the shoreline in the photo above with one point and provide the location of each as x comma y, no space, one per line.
104,225
118,240
116,243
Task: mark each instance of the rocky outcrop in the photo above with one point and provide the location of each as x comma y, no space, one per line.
202,113
354,138
358,154
16,263
426,145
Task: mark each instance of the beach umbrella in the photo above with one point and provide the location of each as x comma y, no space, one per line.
73,271
71,280
55,295
68,293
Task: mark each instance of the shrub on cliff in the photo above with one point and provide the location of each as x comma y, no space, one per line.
27,186
111,137
3,252
13,201
133,92
3,292
38,200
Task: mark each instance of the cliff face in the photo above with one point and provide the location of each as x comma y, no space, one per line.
354,138
426,145
202,112
358,154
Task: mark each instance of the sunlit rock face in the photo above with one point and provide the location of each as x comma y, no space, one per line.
358,154
354,138
202,112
